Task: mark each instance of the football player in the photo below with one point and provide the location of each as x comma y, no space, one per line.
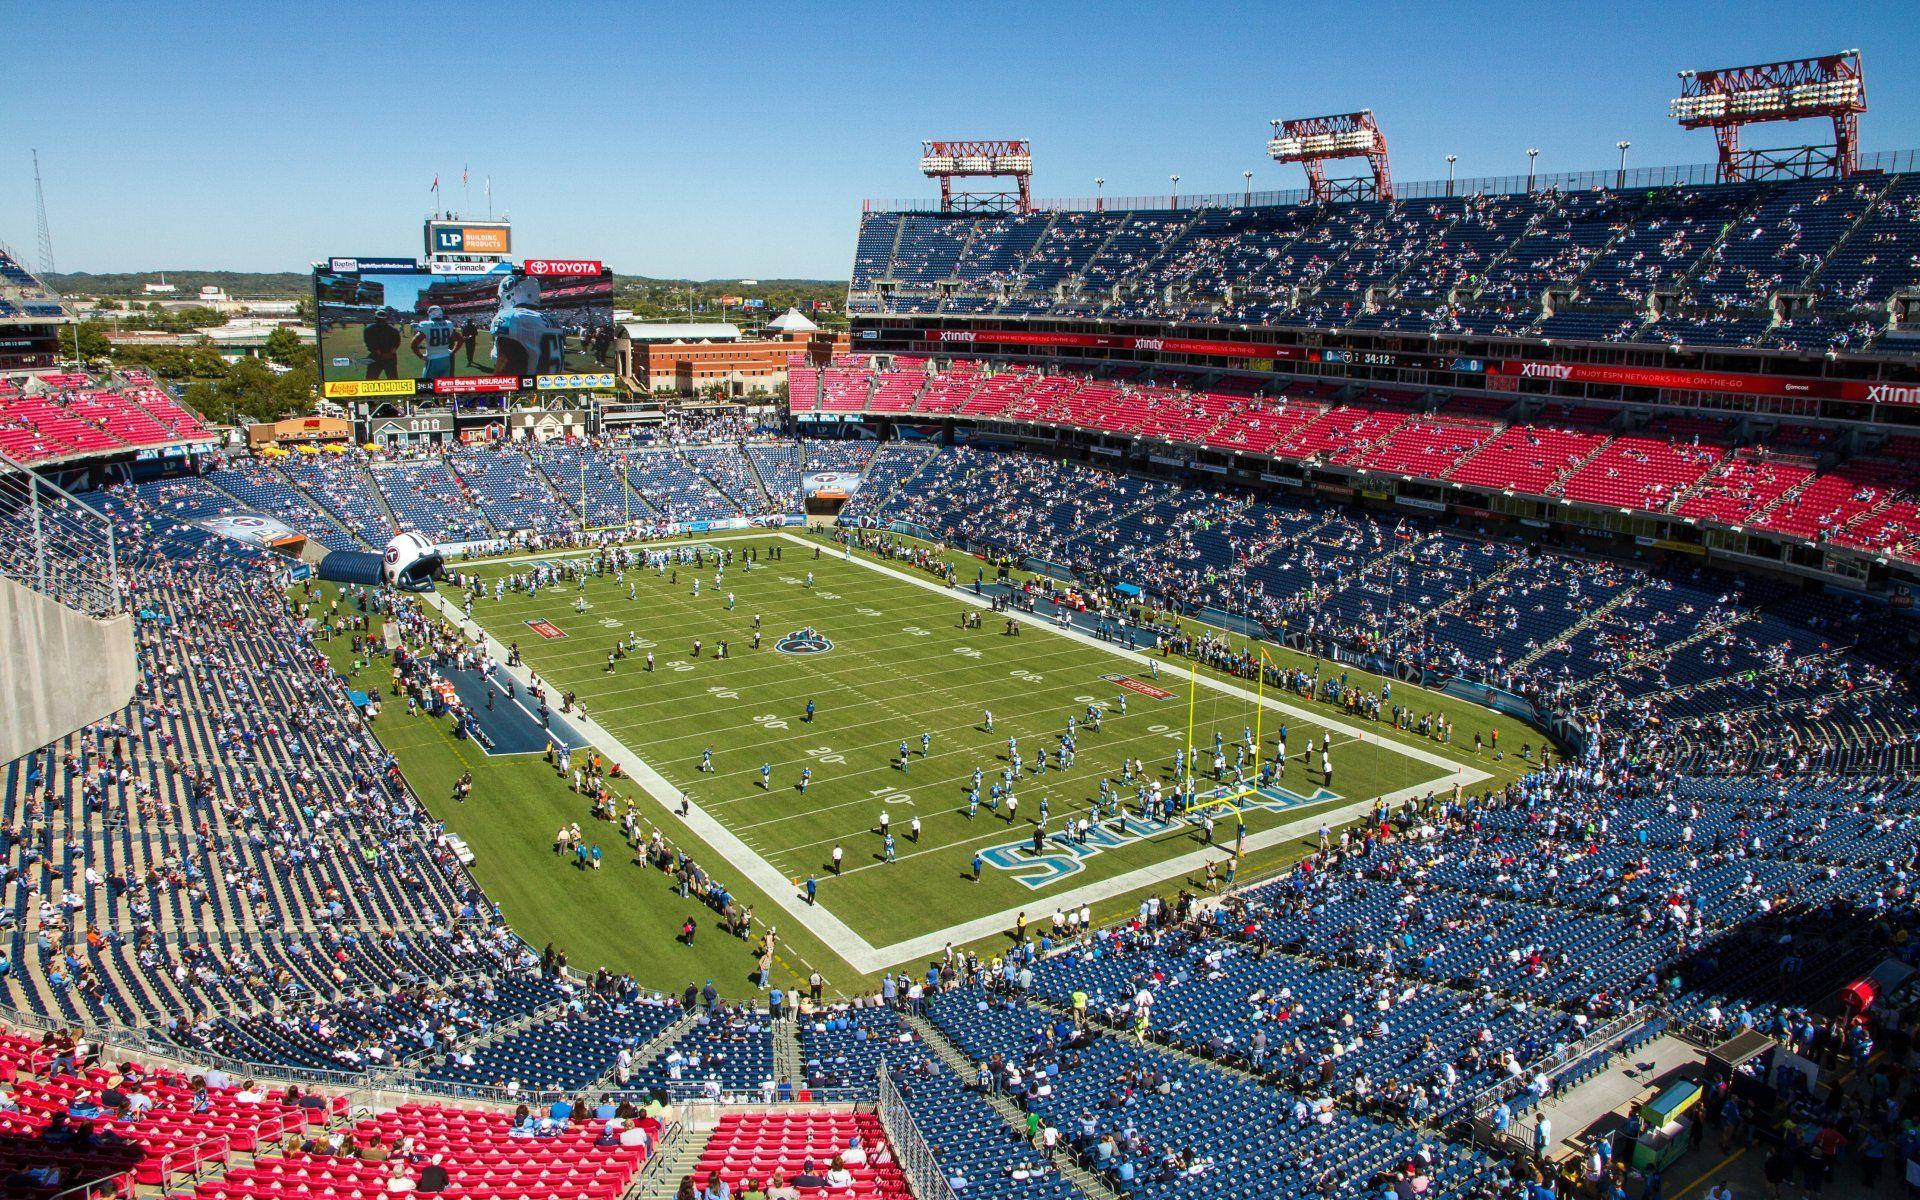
524,341
436,340
383,346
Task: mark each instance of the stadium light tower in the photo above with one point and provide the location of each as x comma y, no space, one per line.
1312,141
1727,98
1248,176
997,159
1533,153
1451,159
1620,180
1099,201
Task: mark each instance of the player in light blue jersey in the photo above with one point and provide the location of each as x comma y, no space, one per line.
524,341
435,340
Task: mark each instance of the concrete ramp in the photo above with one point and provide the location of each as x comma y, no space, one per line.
61,668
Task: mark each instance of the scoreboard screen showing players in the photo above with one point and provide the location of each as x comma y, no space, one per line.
394,327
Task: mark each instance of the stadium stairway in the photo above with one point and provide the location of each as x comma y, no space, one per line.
759,481
1463,599
675,1158
372,485
1558,486
1566,635
1710,253
1267,547
788,1062
505,1029
748,503
644,1057
965,1069
472,498
880,502
1665,652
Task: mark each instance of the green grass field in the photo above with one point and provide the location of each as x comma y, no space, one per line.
900,665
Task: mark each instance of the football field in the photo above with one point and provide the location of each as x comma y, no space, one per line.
888,662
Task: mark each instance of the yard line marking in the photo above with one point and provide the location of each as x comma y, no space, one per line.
1419,754
816,920
867,958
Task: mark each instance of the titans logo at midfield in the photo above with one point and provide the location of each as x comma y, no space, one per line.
804,641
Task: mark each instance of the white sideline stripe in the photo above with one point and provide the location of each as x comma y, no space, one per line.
1157,872
863,955
817,920
1468,774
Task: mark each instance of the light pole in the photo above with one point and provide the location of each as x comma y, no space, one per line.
1620,180
1248,176
1531,155
1099,202
1175,180
1451,159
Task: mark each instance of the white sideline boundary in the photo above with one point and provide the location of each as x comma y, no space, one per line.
863,955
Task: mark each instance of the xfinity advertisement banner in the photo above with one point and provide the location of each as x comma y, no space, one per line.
1735,382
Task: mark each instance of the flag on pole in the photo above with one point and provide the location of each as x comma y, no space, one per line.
463,177
436,184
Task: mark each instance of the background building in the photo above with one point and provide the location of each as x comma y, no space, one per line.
692,358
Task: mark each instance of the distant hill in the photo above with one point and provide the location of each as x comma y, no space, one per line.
245,285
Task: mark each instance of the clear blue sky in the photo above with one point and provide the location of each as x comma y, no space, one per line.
718,140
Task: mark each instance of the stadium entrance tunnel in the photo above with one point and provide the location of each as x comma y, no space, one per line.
409,563
505,719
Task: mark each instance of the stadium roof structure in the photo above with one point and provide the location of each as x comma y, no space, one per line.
791,321
682,331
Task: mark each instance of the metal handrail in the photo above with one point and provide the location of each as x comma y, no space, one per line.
668,1141
199,1157
63,548
121,1183
911,1153
1482,1101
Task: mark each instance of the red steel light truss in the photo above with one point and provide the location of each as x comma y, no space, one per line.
980,158
1312,141
1727,99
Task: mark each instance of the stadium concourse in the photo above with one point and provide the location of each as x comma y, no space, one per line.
1709,839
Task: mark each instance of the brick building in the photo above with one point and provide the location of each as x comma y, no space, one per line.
691,358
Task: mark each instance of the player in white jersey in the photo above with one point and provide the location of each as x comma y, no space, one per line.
524,341
435,340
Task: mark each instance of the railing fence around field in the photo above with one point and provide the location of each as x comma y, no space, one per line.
56,545
910,1149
